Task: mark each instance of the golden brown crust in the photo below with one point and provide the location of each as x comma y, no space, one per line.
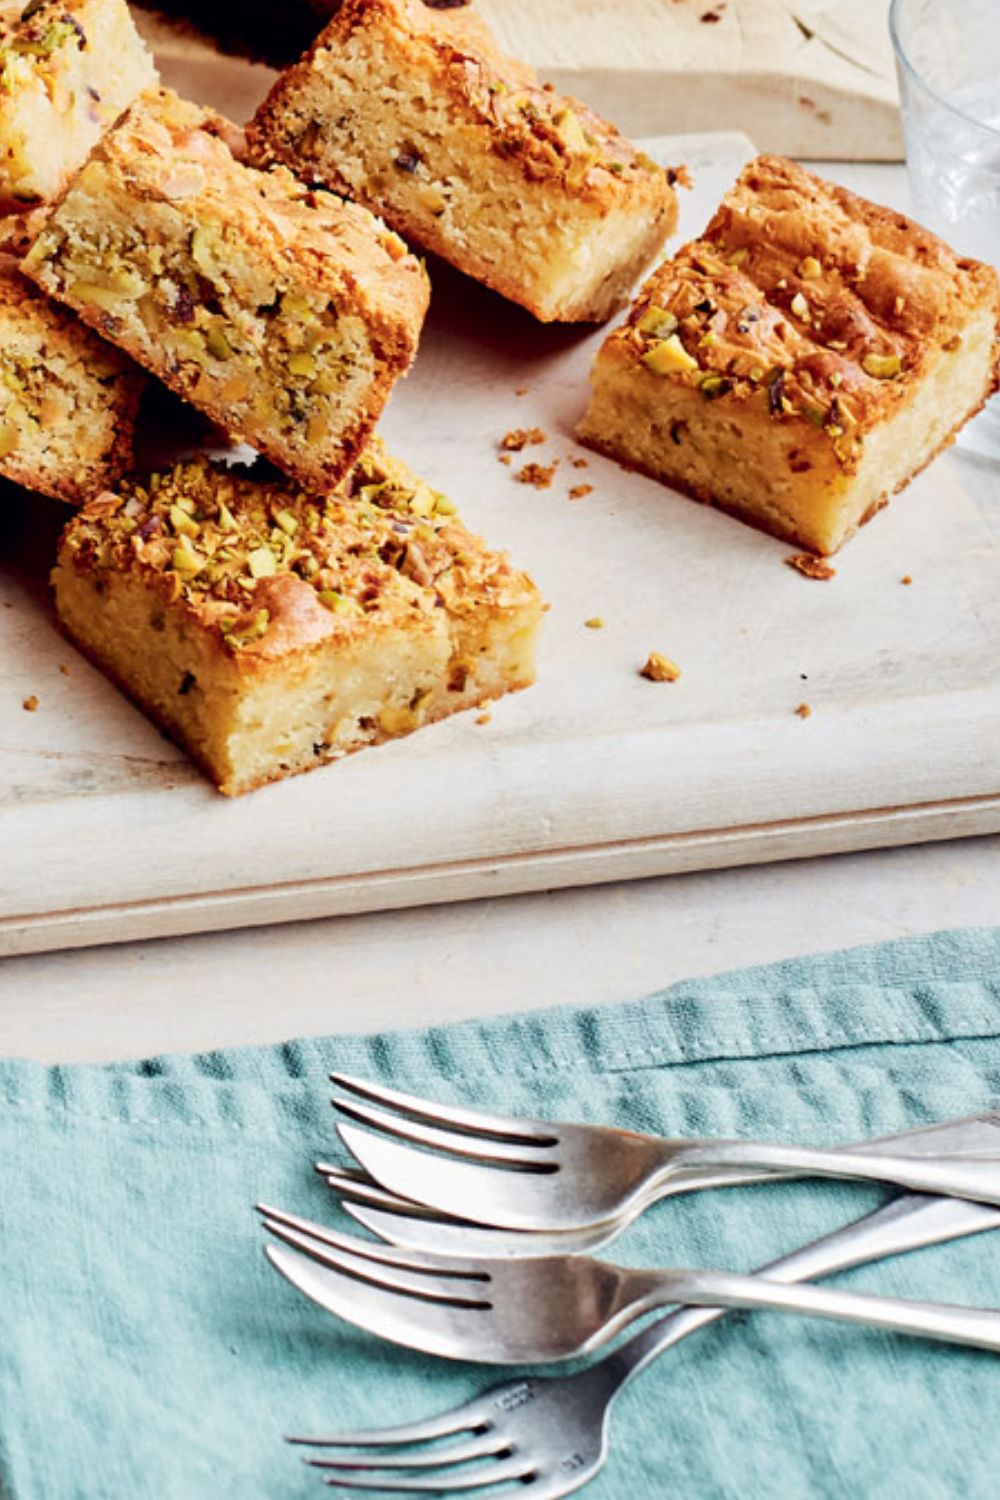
265,572
165,151
757,518
523,121
470,129
803,297
55,364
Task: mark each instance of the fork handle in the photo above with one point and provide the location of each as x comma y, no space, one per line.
977,1327
911,1222
969,1177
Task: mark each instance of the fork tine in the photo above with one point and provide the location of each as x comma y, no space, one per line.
489,1445
358,1187
415,1322
417,1261
386,1278
472,1416
511,1472
478,1190
528,1132
455,1142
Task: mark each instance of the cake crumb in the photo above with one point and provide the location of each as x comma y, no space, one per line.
520,437
64,669
810,566
580,491
906,579
579,463
660,668
540,475
803,710
595,622
522,390
30,704
505,458
484,718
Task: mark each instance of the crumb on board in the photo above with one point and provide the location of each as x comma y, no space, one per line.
811,566
803,711
679,177
596,622
505,458
521,437
906,579
522,390
580,491
30,704
579,463
660,668
540,475
64,669
484,718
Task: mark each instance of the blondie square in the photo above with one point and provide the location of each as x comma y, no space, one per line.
285,315
67,70
802,361
270,632
68,401
412,110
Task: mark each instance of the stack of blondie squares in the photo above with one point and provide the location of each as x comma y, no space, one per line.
795,365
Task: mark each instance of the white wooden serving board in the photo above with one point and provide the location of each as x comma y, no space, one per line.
106,833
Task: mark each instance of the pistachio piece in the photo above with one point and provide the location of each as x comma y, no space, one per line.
287,522
93,295
339,603
658,322
882,366
423,502
302,364
186,561
800,307
669,357
217,343
262,562
810,268
182,522
567,126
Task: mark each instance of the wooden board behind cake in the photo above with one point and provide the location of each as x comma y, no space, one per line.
804,77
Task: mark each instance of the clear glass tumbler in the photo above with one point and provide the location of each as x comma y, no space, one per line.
948,59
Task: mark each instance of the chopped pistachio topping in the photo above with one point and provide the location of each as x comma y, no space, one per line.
882,366
215,537
669,357
657,322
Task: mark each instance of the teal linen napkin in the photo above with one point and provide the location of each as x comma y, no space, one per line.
148,1350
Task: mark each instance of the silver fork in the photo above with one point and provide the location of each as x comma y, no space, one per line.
400,1222
550,1436
518,1311
538,1175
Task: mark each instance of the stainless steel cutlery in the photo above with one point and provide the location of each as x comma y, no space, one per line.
538,1175
483,1224
549,1436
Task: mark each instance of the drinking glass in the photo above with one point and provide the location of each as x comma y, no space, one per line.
948,60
